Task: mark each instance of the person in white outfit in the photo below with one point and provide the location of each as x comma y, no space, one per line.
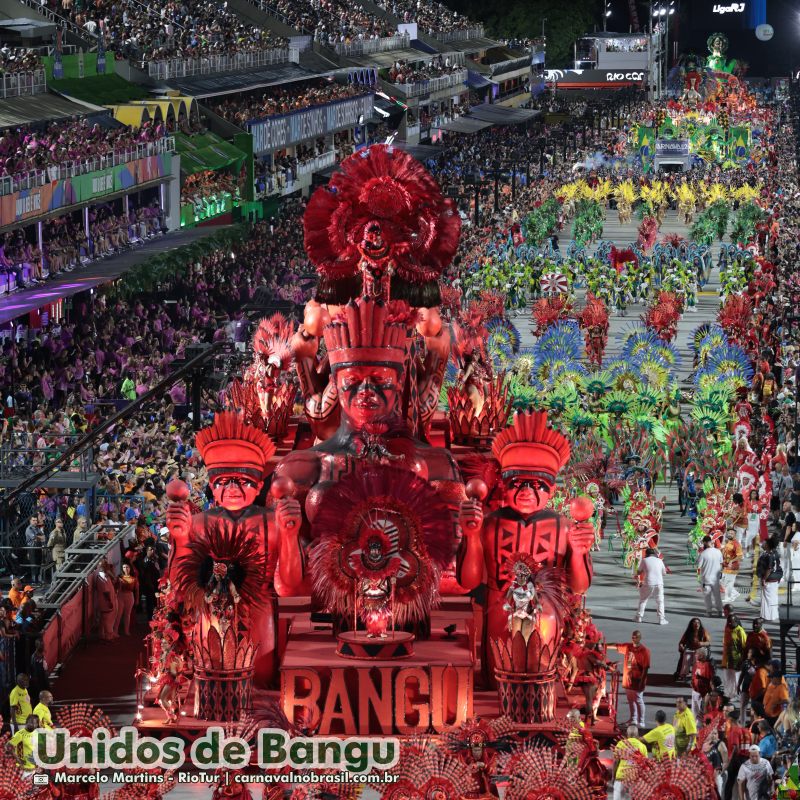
651,584
709,570
794,569
770,572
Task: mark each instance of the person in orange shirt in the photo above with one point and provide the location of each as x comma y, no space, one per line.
757,688
775,697
16,594
758,640
731,561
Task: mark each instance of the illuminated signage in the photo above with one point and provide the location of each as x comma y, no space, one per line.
733,8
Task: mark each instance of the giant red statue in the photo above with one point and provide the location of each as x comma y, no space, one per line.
236,456
367,348
530,456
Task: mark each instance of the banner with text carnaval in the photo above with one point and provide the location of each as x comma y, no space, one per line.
28,204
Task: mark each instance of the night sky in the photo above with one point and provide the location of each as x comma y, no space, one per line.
695,20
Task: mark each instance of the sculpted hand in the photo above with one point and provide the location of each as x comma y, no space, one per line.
303,344
179,520
470,516
581,538
288,515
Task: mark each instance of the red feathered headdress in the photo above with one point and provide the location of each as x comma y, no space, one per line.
529,447
231,445
594,314
736,316
619,258
549,310
383,208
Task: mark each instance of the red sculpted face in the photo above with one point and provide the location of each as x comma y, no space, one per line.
235,491
526,494
367,393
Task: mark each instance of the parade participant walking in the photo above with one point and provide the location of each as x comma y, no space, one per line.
731,562
623,763
20,702
685,726
635,669
770,572
733,652
702,674
755,777
651,575
709,570
758,641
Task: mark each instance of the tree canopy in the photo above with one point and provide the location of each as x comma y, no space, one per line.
566,21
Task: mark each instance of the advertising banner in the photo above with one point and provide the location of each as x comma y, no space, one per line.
27,204
273,133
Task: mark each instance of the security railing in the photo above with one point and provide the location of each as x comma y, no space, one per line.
18,84
412,130
17,463
459,35
211,64
39,177
317,163
363,47
431,85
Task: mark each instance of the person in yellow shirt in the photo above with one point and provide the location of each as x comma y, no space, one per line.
21,743
662,738
20,701
685,727
42,710
574,744
624,751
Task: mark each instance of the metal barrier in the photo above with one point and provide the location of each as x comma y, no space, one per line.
459,35
363,47
412,130
19,84
432,85
207,65
322,161
17,463
59,172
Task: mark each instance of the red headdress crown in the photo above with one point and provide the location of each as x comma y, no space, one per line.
383,208
368,331
231,445
529,447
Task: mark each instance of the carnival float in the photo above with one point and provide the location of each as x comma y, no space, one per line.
332,581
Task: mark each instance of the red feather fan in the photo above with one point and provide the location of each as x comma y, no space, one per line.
688,778
547,311
408,513
594,314
736,317
619,258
